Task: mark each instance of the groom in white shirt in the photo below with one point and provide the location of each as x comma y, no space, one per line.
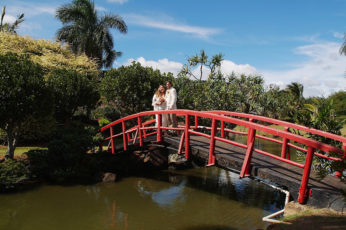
171,100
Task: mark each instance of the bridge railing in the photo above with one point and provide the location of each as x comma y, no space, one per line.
218,133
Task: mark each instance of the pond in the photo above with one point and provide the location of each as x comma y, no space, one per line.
203,198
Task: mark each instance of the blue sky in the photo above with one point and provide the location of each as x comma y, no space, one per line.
283,41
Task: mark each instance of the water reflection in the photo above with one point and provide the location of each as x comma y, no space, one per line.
206,198
165,197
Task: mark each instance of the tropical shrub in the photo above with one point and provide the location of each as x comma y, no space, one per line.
71,90
131,88
65,159
106,114
12,172
319,114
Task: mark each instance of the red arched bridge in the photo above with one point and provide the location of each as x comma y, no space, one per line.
136,128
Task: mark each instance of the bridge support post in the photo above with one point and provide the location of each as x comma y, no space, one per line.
139,119
211,160
222,129
112,140
338,174
284,150
245,170
124,135
181,143
159,130
196,122
303,191
187,137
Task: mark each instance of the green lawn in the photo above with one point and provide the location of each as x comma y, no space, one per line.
343,131
19,150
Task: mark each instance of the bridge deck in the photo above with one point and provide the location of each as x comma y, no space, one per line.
324,193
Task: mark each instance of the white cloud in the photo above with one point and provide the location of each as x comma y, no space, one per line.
164,65
100,8
338,35
169,24
322,74
227,67
118,1
9,18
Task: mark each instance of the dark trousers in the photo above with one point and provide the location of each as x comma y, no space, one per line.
172,120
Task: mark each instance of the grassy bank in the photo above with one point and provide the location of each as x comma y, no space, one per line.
303,217
19,150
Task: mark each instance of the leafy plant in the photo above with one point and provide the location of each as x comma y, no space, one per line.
71,90
49,55
11,173
131,88
66,157
23,95
319,114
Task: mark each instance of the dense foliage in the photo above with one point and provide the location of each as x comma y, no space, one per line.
66,158
50,55
23,95
36,76
131,88
12,172
71,90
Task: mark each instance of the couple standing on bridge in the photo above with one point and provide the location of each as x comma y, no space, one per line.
166,100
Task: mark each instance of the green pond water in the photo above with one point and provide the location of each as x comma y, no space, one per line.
205,198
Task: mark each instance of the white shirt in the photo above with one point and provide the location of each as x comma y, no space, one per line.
171,98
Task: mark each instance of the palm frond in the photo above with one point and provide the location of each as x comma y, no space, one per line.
114,21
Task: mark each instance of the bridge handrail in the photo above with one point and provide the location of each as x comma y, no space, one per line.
212,115
282,123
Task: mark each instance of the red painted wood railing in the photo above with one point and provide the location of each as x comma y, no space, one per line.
240,119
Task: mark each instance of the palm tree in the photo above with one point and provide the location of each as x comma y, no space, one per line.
88,33
202,60
295,89
8,27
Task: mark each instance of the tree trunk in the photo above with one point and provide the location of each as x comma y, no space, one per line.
11,143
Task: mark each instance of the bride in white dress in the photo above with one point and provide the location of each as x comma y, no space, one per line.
159,103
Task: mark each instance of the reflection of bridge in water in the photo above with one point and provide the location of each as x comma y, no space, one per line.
212,143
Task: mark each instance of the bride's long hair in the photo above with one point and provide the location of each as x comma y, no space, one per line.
160,94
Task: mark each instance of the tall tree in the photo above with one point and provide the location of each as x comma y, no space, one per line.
201,61
23,95
10,27
88,33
